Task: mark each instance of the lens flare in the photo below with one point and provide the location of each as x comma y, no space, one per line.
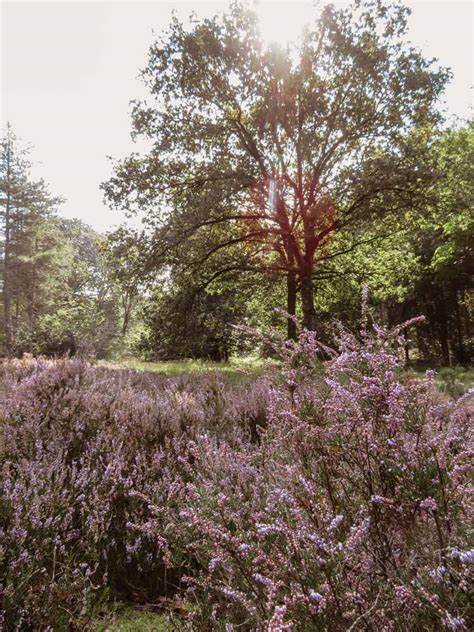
283,22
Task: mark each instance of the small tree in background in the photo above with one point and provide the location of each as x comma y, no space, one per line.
29,246
57,290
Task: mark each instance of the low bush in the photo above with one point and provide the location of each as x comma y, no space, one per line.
77,442
331,495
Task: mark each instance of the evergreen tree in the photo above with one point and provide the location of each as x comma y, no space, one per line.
26,206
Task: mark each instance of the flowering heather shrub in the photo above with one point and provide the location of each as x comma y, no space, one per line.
353,512
337,496
76,444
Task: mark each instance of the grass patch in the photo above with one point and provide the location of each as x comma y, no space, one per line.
237,369
134,620
454,381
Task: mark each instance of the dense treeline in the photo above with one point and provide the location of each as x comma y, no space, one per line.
278,183
66,287
58,291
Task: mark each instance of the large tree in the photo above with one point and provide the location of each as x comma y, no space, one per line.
265,153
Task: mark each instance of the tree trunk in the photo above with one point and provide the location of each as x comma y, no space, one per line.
32,293
7,314
406,346
291,303
443,329
460,355
127,307
307,300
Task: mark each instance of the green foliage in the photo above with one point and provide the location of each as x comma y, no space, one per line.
262,155
418,263
443,245
58,295
188,322
30,243
453,214
82,309
122,258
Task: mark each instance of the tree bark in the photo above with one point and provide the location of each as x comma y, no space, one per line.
406,346
7,314
127,308
460,355
443,329
307,300
291,285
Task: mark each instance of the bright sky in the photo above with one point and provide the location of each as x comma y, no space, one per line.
69,70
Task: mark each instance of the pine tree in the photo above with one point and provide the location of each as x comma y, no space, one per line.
28,246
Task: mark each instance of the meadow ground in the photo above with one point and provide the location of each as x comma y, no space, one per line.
127,619
452,380
237,369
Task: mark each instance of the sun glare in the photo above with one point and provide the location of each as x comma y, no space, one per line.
283,22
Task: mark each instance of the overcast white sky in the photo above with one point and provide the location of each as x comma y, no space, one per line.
69,70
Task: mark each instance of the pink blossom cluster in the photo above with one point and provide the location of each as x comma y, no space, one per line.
80,448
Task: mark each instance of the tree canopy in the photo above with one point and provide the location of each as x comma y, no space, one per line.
260,155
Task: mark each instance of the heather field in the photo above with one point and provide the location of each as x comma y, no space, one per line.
211,419
333,492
